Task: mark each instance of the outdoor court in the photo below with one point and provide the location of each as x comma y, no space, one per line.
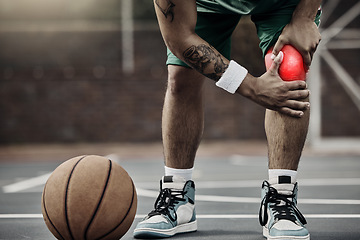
227,188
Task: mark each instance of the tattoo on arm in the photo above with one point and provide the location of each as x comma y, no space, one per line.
206,61
166,7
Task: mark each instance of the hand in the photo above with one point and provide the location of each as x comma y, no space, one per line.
270,91
303,34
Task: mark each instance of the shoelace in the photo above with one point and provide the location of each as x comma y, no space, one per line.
166,201
282,206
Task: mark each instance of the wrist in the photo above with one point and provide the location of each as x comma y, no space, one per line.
232,78
302,18
246,88
306,9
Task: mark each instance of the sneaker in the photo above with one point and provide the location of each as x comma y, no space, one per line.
174,210
279,216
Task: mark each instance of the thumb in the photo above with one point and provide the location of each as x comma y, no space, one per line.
307,59
276,63
277,48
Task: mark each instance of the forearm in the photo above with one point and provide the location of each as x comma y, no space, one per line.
209,62
307,9
206,60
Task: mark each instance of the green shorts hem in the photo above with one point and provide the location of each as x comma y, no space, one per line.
173,60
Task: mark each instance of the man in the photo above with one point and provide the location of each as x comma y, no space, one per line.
197,34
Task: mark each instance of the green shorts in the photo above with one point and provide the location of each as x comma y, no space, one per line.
217,28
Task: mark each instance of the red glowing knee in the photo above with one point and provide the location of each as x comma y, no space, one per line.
292,67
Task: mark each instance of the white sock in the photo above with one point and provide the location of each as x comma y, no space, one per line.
279,176
184,173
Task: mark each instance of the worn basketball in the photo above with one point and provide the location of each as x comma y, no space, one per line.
292,67
89,197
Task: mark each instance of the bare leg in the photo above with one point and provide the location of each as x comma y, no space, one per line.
286,137
183,117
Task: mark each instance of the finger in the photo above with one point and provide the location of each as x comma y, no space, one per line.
297,105
311,57
307,58
296,85
277,47
298,94
290,112
276,63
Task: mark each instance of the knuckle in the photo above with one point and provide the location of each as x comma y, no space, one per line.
298,95
309,48
283,86
304,106
301,84
282,39
276,104
302,94
301,106
283,98
287,111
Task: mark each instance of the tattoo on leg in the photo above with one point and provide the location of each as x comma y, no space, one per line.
166,7
205,60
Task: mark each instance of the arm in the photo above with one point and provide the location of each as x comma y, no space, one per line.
177,20
301,32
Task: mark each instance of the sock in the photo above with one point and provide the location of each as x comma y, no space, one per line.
184,173
279,176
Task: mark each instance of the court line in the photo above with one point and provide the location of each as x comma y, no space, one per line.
33,182
255,216
202,216
24,216
257,183
231,199
26,184
41,180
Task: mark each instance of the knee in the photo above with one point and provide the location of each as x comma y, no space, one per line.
184,81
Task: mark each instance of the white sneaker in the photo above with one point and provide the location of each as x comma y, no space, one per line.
279,216
174,210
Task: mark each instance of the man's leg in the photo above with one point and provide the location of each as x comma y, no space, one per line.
182,129
183,117
279,215
286,137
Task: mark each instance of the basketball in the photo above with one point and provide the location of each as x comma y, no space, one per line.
292,67
89,197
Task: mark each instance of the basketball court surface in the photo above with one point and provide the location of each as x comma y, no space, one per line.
227,193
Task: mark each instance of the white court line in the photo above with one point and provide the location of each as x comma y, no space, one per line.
41,180
255,216
26,184
257,183
202,216
231,199
11,216
37,181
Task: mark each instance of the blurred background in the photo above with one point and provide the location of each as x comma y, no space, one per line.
90,71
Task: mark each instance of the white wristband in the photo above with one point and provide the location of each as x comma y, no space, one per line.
232,77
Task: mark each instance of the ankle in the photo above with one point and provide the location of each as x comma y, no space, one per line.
282,176
184,173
